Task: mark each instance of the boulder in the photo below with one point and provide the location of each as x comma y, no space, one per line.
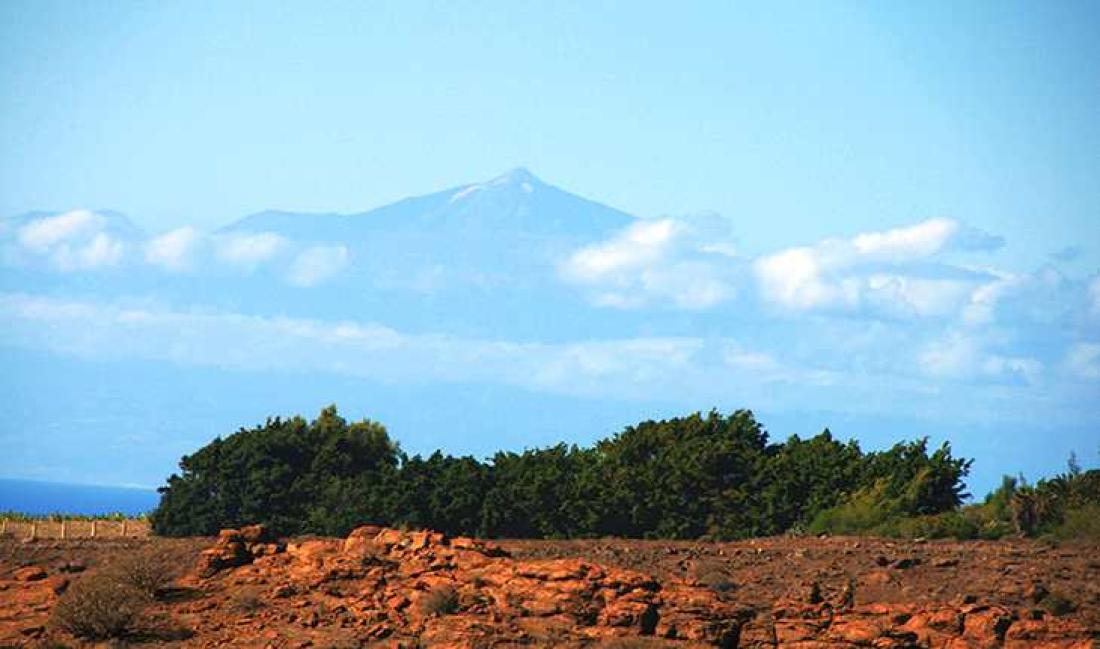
256,534
30,573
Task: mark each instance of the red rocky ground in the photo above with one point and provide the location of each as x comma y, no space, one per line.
387,588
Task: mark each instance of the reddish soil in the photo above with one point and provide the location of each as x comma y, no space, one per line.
387,588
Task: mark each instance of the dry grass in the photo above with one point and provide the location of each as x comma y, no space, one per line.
442,600
99,607
148,569
109,603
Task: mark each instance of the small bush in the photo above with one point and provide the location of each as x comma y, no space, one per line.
861,513
714,577
146,569
442,600
99,607
946,525
633,643
1081,523
247,602
1057,604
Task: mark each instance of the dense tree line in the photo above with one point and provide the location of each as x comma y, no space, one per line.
689,477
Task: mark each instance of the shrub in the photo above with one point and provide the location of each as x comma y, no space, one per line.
947,525
248,602
1080,523
441,600
1058,604
714,577
99,607
634,643
147,569
864,511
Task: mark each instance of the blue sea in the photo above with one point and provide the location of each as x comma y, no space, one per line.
39,498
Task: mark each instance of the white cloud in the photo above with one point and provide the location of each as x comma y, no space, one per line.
637,246
102,250
249,250
981,308
173,250
880,374
955,356
794,278
681,368
684,262
884,271
691,264
317,264
75,240
1094,296
1044,298
41,234
961,356
912,242
915,295
1083,361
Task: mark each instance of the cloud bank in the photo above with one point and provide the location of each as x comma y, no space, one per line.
687,263
84,240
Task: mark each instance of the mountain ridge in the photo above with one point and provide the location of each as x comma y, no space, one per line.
516,201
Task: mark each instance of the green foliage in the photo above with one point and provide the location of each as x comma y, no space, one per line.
1080,523
322,476
905,492
1060,506
1066,506
805,477
685,477
555,492
702,475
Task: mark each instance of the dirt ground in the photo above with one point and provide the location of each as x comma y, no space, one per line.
384,588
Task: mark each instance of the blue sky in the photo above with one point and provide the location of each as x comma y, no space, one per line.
864,202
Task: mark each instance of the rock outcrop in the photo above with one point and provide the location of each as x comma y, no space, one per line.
383,587
397,588
237,548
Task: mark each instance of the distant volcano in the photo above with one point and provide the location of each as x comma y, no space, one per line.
516,203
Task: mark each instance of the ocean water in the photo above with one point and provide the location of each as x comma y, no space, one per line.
38,498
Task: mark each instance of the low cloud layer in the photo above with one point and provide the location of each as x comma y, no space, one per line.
174,250
73,241
317,264
902,315
686,263
867,369
898,272
87,241
921,300
692,264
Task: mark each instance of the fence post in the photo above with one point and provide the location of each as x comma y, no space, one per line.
124,528
4,527
34,529
93,527
62,529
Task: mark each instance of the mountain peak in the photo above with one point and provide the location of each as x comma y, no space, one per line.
518,175
515,202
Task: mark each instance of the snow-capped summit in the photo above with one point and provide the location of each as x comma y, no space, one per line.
516,176
516,203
